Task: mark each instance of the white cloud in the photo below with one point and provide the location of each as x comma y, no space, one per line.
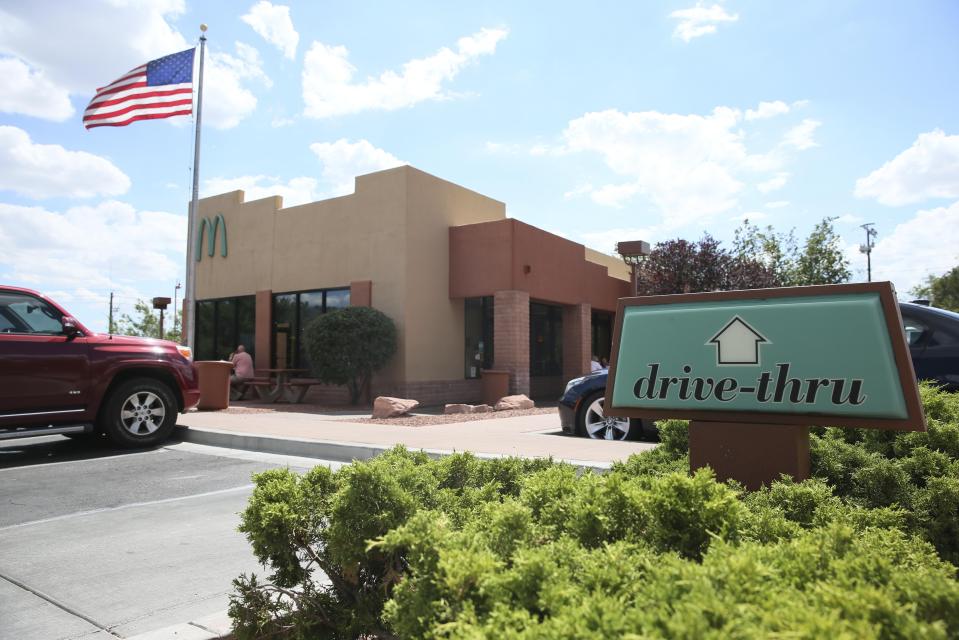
329,89
700,20
615,195
273,23
344,160
778,181
341,162
767,110
752,216
90,51
49,170
927,243
226,100
778,204
800,136
849,218
132,249
296,191
684,164
927,169
29,92
581,190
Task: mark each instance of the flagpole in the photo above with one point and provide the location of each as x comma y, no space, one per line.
189,301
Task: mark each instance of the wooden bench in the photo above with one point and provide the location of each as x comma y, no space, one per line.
298,388
239,390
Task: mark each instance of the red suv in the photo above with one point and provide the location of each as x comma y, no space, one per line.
56,376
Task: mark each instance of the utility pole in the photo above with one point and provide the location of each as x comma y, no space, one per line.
867,248
176,290
110,321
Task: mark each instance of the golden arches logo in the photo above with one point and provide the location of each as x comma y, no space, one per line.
214,225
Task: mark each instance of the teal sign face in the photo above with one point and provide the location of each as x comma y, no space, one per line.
811,351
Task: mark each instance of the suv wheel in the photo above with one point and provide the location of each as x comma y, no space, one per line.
139,413
593,423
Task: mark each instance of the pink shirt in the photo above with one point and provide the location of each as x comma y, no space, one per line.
243,365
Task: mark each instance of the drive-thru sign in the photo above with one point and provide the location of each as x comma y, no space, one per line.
744,365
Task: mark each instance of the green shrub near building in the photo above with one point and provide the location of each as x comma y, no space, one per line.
468,548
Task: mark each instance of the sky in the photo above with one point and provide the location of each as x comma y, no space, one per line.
600,122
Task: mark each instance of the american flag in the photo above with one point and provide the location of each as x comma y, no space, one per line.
158,89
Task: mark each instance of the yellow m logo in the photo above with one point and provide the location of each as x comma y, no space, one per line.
214,225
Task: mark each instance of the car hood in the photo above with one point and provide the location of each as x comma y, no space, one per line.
133,341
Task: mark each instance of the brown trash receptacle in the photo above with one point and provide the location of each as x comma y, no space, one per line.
495,385
214,380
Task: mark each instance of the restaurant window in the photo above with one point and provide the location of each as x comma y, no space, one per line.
545,340
292,312
223,324
602,334
479,335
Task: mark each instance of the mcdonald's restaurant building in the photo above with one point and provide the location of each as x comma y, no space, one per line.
467,287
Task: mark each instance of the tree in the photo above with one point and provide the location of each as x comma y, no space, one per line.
347,346
778,252
822,260
942,291
680,266
146,323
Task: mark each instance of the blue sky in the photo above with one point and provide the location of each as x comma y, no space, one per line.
604,122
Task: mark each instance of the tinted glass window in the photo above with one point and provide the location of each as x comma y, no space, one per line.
545,340
26,314
914,330
222,325
205,335
478,322
292,313
337,299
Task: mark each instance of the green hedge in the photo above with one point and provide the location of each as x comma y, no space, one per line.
404,546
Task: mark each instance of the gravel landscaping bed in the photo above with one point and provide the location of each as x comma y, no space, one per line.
425,420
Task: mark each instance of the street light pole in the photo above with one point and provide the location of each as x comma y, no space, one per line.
867,248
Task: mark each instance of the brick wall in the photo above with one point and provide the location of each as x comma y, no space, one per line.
577,340
511,337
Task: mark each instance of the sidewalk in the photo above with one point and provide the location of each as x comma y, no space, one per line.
333,437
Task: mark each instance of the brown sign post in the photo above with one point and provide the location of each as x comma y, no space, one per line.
752,370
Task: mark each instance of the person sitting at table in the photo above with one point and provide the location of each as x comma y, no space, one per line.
242,366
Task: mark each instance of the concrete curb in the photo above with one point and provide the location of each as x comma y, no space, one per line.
327,449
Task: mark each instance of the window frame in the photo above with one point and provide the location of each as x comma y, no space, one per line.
294,361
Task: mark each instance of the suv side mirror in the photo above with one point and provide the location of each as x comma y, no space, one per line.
70,328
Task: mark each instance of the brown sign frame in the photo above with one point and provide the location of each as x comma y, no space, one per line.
915,420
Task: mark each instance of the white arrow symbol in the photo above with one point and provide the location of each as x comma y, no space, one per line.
737,343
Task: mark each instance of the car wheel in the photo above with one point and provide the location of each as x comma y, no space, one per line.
593,423
139,413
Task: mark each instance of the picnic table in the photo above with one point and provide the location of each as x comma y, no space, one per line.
279,384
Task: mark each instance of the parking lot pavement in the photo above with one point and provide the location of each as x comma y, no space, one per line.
106,544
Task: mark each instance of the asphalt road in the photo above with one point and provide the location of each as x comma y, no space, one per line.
100,543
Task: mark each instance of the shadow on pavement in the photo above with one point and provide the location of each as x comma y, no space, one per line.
21,452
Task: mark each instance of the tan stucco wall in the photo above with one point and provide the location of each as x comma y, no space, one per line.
392,231
617,268
436,338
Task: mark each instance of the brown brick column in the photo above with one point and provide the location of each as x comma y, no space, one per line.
361,293
263,329
511,337
577,340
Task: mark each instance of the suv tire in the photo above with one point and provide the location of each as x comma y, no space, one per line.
139,413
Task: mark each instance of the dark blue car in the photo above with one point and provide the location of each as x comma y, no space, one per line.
932,334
